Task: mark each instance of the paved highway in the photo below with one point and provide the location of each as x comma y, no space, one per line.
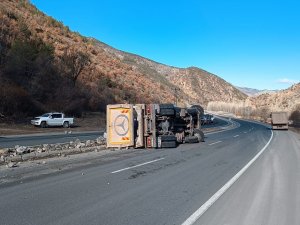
268,193
47,138
168,186
53,138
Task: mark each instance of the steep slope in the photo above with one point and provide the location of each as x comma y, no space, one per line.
193,84
285,100
249,91
94,73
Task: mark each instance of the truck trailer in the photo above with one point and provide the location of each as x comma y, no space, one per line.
279,121
153,125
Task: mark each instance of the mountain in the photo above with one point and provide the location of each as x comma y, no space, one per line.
248,91
284,100
192,84
44,66
254,92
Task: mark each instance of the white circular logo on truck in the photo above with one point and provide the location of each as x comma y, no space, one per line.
121,125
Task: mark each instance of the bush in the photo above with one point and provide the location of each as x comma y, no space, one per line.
295,115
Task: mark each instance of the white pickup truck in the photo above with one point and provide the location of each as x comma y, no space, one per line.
52,119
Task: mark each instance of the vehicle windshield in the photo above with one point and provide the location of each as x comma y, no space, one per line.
45,115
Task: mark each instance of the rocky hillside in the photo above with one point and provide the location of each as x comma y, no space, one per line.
285,100
251,92
45,66
193,84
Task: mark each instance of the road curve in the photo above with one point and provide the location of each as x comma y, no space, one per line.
151,187
268,193
54,138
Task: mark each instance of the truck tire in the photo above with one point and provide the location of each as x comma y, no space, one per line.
193,111
199,108
66,124
166,110
191,139
165,138
168,144
199,134
168,141
43,124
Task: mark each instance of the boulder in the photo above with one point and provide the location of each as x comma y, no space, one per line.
22,150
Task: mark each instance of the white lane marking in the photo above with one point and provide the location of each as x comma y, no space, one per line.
215,143
142,164
233,125
236,136
199,212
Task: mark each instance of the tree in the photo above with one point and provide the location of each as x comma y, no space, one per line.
72,63
295,115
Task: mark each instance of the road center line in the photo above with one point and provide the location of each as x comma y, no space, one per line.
236,136
142,164
215,143
199,212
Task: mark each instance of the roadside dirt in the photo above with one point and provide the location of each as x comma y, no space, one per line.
89,122
295,129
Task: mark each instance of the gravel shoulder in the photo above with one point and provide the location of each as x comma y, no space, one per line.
33,169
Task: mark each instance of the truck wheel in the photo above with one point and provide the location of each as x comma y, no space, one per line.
66,124
168,141
199,134
168,144
191,139
43,124
168,138
166,110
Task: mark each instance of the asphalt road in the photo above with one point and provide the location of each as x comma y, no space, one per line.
162,186
268,193
47,138
53,138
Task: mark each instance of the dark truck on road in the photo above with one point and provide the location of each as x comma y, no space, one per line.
153,125
166,125
279,121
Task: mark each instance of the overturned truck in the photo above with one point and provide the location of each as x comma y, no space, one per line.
153,125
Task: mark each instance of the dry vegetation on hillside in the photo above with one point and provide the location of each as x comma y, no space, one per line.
261,106
194,85
46,67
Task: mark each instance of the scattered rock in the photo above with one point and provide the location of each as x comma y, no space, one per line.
80,145
100,140
88,143
46,147
12,164
40,150
77,141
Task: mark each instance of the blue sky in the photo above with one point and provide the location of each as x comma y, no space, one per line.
248,43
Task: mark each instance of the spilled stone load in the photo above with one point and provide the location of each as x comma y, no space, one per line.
11,157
